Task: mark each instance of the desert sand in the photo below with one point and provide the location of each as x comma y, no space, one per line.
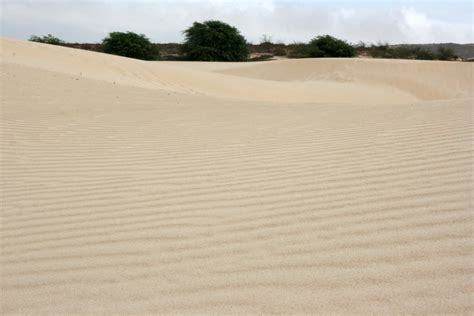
290,186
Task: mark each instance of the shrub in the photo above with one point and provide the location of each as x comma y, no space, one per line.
131,45
298,50
399,52
263,57
423,54
279,50
445,53
361,45
266,43
381,50
214,41
328,46
47,39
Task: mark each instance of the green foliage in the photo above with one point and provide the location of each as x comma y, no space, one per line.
397,52
445,53
266,46
47,39
131,45
298,50
403,52
328,46
322,46
214,41
423,54
218,41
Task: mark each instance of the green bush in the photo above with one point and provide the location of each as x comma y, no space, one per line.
423,54
445,53
47,39
398,52
381,50
322,46
214,41
328,46
129,44
298,50
401,52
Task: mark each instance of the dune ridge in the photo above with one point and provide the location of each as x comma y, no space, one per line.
286,81
284,187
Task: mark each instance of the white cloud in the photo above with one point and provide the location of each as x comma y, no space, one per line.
288,21
415,25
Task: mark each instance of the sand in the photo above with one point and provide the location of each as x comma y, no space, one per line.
291,186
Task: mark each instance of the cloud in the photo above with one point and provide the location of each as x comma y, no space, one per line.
287,21
415,25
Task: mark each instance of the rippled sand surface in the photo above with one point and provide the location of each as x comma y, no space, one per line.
292,186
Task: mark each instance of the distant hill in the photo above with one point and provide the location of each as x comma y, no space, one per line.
465,51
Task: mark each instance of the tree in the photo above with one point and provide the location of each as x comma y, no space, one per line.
47,39
214,41
328,46
131,45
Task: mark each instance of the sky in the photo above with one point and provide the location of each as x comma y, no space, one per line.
372,21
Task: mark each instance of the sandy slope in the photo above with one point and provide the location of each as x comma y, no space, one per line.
281,187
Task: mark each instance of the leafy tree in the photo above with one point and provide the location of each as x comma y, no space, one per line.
47,39
214,41
328,46
131,45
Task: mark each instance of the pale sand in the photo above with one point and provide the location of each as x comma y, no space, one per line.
294,186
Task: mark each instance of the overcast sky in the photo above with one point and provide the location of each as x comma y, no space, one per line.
404,21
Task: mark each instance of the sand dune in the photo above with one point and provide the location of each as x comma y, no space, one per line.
314,81
299,186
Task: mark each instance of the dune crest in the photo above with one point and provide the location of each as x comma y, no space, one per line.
307,80
299,186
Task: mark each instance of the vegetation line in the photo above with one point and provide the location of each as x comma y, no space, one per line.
219,41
